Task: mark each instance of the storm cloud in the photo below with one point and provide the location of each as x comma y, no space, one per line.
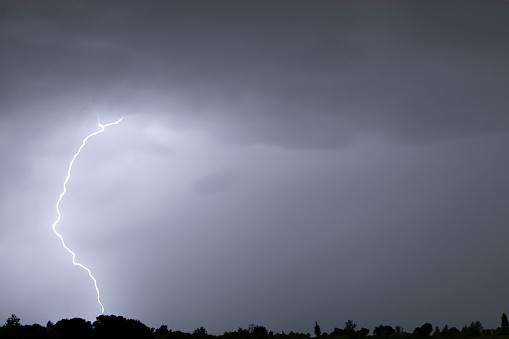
279,163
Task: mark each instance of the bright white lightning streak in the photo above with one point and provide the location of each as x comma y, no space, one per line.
101,129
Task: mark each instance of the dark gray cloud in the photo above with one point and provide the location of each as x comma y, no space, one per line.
435,68
278,163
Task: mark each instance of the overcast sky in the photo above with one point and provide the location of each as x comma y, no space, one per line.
279,162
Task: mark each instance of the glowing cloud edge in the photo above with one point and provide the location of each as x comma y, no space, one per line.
101,129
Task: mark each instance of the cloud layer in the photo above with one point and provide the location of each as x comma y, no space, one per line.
278,164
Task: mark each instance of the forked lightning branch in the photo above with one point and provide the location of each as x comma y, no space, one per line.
101,129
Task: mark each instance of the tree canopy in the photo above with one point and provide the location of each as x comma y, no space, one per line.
113,327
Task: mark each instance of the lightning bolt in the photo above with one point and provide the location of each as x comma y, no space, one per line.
101,129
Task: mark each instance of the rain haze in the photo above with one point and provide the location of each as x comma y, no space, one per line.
279,162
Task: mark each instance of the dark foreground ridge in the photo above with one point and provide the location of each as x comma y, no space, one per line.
113,327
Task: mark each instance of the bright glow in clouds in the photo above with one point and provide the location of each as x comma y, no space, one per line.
101,129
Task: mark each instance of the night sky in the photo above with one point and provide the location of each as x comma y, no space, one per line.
279,162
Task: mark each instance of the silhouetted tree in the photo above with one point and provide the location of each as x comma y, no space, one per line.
504,326
454,332
337,332
111,326
14,330
424,331
317,330
35,331
242,333
239,334
178,335
294,335
161,330
437,332
350,327
383,331
362,333
74,328
200,333
445,331
259,332
116,327
476,328
473,330
12,321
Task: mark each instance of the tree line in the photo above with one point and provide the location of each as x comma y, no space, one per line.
117,327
